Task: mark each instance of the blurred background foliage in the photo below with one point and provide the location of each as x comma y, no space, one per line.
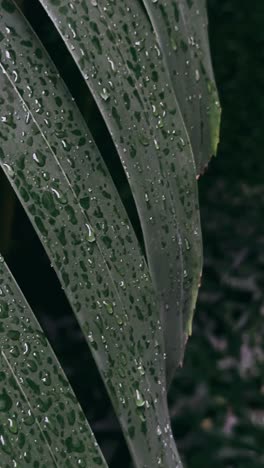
217,398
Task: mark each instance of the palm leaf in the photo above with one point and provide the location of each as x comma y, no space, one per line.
181,27
66,190
116,51
36,400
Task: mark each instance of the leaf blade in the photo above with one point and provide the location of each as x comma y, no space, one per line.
181,28
37,390
50,214
141,119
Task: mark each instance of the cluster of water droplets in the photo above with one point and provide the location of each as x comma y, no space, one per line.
36,401
68,194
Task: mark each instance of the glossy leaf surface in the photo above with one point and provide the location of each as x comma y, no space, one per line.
181,27
41,423
54,166
116,50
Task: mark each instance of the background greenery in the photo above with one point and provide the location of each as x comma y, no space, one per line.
217,398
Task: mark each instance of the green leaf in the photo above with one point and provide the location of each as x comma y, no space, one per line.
53,164
40,418
181,28
116,51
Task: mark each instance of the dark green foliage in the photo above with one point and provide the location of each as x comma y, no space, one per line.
128,316
39,414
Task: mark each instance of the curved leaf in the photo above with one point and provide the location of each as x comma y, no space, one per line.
181,27
36,401
70,198
116,51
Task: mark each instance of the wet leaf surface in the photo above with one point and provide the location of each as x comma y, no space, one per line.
181,28
40,418
120,59
59,176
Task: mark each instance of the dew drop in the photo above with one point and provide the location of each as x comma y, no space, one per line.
119,320
174,43
5,402
12,426
60,197
187,244
9,170
140,402
3,310
29,419
39,158
109,307
141,369
46,378
90,337
143,139
67,146
91,234
104,94
85,202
